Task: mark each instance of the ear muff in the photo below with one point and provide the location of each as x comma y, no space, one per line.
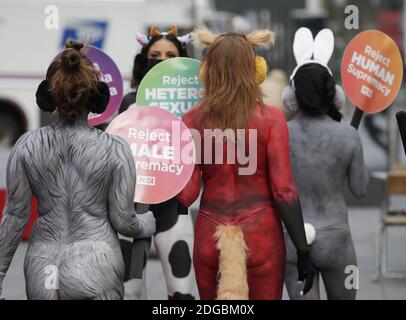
339,99
261,69
290,103
44,97
289,99
202,71
99,98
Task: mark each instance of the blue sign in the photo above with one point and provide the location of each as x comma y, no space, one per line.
90,31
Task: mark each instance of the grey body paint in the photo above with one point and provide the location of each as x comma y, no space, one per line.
84,181
325,155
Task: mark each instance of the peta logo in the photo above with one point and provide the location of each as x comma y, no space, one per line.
146,181
367,92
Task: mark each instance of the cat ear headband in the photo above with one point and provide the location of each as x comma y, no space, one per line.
144,40
259,38
311,51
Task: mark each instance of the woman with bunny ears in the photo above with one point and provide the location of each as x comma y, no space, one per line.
324,154
174,232
239,250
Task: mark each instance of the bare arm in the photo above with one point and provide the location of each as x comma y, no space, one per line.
191,192
121,197
17,211
283,188
286,196
358,176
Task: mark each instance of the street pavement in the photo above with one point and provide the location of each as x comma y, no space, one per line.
364,224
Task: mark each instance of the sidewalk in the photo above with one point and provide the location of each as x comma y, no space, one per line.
364,225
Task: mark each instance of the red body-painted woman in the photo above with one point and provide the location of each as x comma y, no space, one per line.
239,251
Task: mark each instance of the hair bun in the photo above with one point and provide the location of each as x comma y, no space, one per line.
71,60
72,44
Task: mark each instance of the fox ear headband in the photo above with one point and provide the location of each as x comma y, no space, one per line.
309,51
144,40
259,38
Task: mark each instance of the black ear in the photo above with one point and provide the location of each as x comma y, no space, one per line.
44,98
99,98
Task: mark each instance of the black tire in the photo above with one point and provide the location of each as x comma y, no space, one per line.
11,128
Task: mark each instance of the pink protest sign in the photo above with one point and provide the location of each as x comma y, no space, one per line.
163,151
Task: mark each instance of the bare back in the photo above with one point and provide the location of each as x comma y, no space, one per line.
70,174
325,155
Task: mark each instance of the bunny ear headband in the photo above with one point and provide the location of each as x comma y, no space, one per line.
311,51
260,38
144,40
317,51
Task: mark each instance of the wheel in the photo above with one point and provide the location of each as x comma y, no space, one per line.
10,129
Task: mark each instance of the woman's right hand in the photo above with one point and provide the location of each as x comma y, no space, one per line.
147,224
305,270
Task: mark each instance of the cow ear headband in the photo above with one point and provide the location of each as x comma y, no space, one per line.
259,38
144,40
311,51
98,98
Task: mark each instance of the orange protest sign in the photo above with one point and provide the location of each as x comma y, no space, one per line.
372,71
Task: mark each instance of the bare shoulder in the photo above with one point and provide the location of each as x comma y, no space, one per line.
119,148
346,132
193,117
274,117
26,142
270,111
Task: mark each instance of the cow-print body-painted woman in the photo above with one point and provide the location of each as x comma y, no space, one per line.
174,234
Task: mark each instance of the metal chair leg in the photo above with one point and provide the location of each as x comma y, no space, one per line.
385,251
386,273
378,258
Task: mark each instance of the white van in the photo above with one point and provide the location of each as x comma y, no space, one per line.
33,32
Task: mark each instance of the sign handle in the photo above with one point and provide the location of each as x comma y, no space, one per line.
401,118
139,251
357,118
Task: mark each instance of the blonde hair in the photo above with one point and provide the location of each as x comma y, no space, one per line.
231,90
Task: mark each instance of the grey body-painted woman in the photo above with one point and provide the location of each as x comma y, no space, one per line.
325,154
84,181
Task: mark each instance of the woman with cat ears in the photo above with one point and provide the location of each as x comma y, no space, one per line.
325,154
239,250
174,232
156,47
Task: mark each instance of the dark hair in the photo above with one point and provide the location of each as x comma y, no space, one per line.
141,59
315,91
72,77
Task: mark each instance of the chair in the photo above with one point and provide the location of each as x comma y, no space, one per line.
396,186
